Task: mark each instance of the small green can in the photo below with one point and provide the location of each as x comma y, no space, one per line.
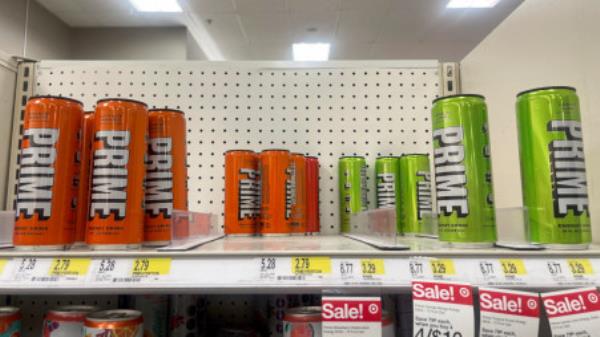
415,194
353,188
463,178
387,185
553,173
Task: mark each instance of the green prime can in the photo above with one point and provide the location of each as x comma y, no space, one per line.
387,185
463,178
553,167
415,194
353,188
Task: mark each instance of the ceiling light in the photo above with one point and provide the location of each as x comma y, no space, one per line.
311,51
472,3
156,5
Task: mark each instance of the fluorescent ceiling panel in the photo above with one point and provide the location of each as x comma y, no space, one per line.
311,51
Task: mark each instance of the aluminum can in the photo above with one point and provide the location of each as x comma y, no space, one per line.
302,322
117,322
313,225
277,305
83,192
387,184
352,173
415,193
463,175
10,322
187,316
66,321
242,192
116,214
298,180
166,174
553,172
277,192
155,310
47,181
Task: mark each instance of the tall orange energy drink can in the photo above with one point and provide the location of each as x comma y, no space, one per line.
83,193
45,203
242,192
277,192
166,174
312,195
116,214
298,172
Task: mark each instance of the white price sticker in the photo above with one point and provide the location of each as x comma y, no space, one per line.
508,313
137,270
503,272
267,267
442,309
26,269
573,312
571,271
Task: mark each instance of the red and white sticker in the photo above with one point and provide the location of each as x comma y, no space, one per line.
508,313
573,312
442,309
351,316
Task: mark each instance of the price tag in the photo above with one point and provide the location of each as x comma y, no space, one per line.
267,268
347,269
26,269
571,271
580,267
3,263
311,265
69,267
512,267
442,267
574,312
508,312
370,267
348,317
417,269
144,267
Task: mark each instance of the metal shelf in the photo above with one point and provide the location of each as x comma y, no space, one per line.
290,264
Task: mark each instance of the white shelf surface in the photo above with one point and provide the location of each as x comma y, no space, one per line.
290,264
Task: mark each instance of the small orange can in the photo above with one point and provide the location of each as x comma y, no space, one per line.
115,322
277,192
298,172
116,213
242,192
83,191
45,202
166,174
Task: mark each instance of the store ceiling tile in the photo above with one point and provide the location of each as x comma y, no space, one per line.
358,26
317,27
270,51
350,51
259,6
273,27
313,6
207,7
225,29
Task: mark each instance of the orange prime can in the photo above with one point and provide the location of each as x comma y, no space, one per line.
46,201
277,192
298,171
116,212
166,174
312,195
116,322
242,192
83,193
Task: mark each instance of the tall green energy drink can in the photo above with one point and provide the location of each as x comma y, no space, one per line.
553,167
353,188
387,185
415,194
463,176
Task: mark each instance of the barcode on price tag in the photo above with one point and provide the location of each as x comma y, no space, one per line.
311,265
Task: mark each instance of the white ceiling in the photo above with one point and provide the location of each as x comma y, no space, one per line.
266,29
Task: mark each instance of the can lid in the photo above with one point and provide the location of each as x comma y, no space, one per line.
122,99
56,97
270,150
312,157
458,95
6,311
239,150
415,154
118,315
387,157
303,314
167,109
73,309
88,112
342,157
546,88
297,154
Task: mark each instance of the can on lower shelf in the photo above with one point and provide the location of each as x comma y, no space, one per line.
553,172
46,191
116,322
298,181
277,192
242,192
155,310
118,172
66,321
415,194
352,184
313,225
463,174
10,322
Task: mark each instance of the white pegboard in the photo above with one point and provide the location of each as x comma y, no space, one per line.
329,109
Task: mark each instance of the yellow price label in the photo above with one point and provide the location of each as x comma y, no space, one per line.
580,267
372,266
311,265
513,267
442,267
151,266
3,263
69,266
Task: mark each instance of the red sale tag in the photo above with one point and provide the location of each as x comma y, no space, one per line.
508,313
443,292
573,312
351,316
